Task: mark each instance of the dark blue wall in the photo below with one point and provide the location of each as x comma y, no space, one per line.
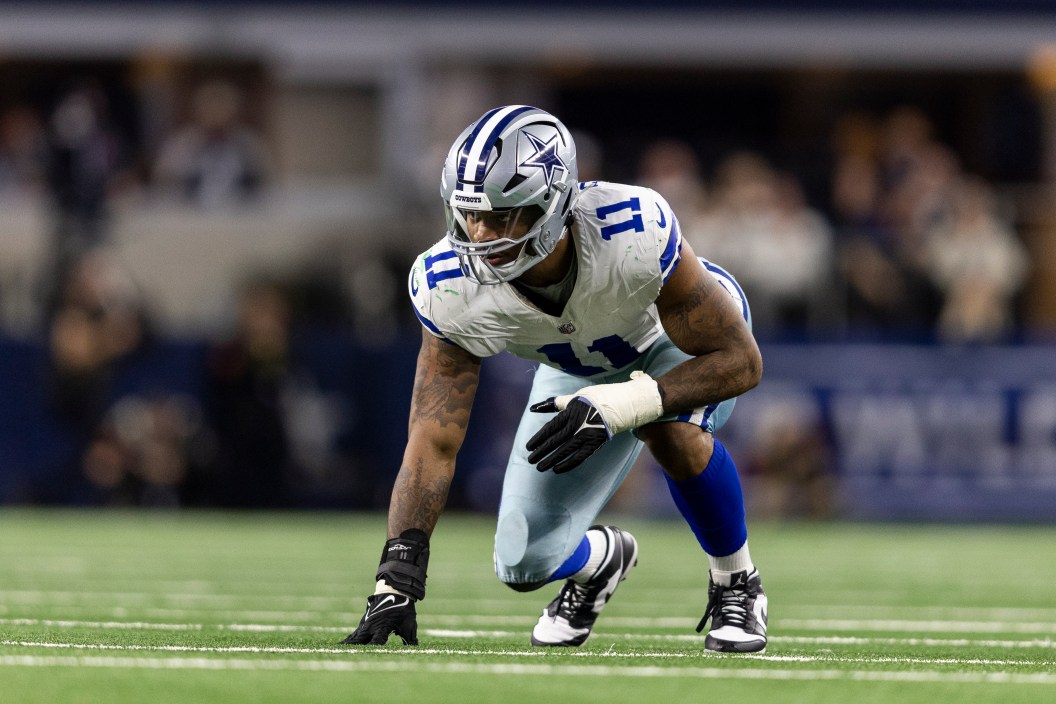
920,432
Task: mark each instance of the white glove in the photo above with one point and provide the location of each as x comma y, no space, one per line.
624,405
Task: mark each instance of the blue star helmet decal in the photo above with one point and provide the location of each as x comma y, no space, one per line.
545,157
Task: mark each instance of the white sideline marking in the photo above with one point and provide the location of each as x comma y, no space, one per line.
534,652
368,665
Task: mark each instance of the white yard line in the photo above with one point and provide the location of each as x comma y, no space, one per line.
827,658
796,640
534,652
226,606
414,665
967,613
960,627
66,597
324,604
630,622
119,612
910,626
130,625
173,648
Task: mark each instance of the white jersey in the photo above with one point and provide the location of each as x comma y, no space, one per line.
627,243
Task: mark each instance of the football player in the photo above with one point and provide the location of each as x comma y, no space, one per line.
639,343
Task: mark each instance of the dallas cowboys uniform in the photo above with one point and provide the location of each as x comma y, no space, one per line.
627,243
511,195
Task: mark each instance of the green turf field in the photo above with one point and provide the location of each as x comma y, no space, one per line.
192,608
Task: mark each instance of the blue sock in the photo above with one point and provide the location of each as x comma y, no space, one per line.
575,561
713,505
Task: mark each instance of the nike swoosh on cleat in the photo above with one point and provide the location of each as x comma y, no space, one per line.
761,619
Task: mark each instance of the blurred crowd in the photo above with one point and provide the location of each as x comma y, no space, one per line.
907,244
76,152
121,416
203,150
911,246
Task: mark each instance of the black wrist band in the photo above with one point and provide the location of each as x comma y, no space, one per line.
404,561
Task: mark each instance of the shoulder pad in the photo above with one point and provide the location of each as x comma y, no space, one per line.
437,264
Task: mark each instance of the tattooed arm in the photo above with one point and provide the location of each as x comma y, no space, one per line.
703,320
444,385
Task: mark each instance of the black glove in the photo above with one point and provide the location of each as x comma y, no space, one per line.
385,614
403,564
568,438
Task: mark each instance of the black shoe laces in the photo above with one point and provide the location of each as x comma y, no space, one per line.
571,599
574,605
726,606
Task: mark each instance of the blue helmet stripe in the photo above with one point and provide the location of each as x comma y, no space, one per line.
483,147
464,156
493,137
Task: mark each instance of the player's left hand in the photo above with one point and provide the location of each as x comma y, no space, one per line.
589,417
572,436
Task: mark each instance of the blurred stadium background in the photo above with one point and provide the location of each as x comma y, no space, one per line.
208,209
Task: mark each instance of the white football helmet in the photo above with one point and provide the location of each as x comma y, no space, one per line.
514,169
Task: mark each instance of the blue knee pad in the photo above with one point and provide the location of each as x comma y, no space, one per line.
713,505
